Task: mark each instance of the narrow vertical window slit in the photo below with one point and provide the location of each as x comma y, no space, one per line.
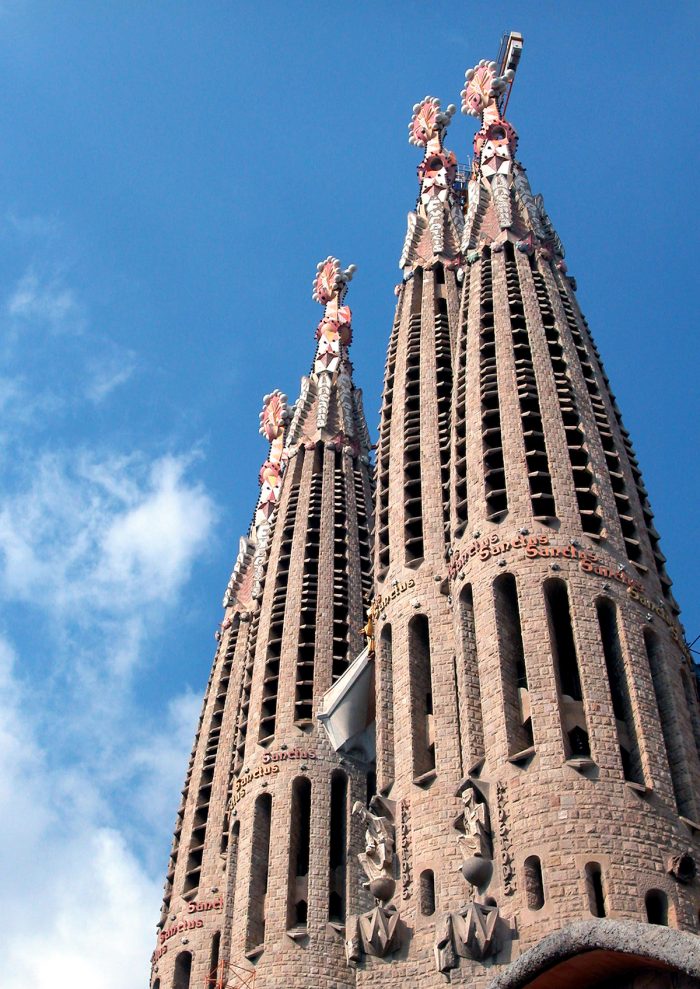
413,493
492,439
536,459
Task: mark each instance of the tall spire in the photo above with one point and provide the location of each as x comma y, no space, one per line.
435,227
329,406
497,179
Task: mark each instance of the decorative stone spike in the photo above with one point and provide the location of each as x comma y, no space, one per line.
436,222
414,228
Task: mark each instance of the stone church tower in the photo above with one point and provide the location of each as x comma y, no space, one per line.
458,743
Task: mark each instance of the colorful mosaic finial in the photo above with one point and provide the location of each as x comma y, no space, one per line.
334,332
495,170
483,89
429,123
273,424
335,329
494,148
331,280
438,211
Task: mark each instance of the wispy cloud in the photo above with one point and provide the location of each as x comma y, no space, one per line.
98,541
41,301
107,374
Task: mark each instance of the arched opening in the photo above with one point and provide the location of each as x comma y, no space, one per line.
656,904
338,847
183,970
259,871
516,699
691,699
427,893
472,715
385,725
670,726
233,858
534,885
214,959
566,669
594,888
299,845
619,691
421,697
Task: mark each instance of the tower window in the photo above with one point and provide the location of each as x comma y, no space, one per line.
385,724
259,871
214,960
594,888
472,717
443,394
299,846
670,727
537,462
513,671
421,696
384,451
338,847
427,893
656,904
306,644
566,668
413,489
619,690
340,570
534,886
183,970
268,708
460,416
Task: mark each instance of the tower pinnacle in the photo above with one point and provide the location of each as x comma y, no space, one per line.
434,228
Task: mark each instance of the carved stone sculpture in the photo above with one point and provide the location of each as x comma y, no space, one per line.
378,931
377,860
475,841
469,933
682,868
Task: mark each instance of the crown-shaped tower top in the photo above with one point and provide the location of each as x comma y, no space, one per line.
435,227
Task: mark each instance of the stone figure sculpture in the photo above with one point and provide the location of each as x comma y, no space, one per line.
378,857
377,932
475,841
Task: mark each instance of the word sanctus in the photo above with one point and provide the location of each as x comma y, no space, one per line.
243,781
282,756
199,907
184,925
379,604
490,546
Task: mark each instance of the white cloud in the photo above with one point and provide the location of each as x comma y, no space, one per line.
106,375
83,908
109,533
45,302
96,549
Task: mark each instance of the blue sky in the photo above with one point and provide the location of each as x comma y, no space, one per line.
170,174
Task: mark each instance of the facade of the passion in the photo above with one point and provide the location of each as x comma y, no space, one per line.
451,732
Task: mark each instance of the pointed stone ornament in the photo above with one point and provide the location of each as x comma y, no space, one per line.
433,231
